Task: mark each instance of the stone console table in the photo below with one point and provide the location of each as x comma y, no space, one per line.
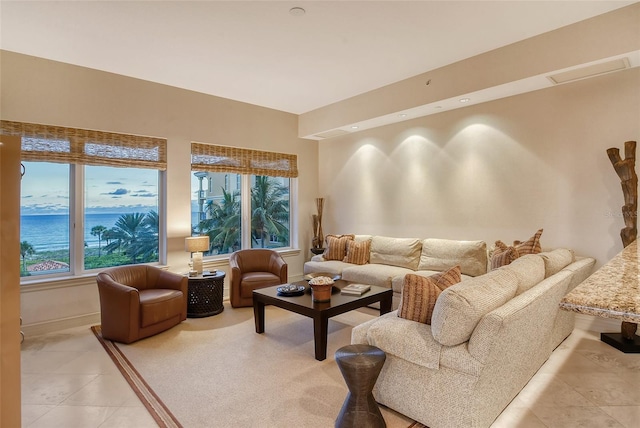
613,291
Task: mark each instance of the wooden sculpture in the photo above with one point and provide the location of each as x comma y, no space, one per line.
318,237
629,180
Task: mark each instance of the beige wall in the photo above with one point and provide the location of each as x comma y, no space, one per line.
42,91
498,170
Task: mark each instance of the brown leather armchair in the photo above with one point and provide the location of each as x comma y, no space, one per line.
140,301
252,269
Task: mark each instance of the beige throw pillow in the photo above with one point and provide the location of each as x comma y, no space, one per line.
336,246
419,293
358,252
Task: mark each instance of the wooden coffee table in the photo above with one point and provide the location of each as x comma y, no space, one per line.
319,312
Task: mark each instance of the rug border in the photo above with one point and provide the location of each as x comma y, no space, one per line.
154,405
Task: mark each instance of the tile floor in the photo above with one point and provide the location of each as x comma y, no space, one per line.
69,381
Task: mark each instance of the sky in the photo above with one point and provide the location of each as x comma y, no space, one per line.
45,189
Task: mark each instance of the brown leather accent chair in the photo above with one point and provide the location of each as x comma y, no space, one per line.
140,301
254,268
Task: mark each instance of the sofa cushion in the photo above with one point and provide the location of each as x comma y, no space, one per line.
529,269
373,274
357,252
442,254
460,307
556,260
402,252
405,339
336,246
332,267
419,294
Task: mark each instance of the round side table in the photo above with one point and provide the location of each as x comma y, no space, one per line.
205,295
360,366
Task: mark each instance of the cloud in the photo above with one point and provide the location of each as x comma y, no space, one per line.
117,192
114,182
144,194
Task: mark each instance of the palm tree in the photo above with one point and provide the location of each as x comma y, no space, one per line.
223,223
131,234
98,231
269,210
26,249
151,224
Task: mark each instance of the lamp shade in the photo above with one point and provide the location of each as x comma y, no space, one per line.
194,244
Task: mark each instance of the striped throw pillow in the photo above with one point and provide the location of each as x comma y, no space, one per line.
336,246
503,255
530,246
419,293
358,252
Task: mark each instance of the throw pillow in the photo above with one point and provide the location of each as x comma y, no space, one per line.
358,252
503,255
336,246
530,246
419,293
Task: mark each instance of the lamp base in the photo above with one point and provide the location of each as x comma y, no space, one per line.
196,260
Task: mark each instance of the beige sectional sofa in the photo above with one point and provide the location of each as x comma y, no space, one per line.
391,259
488,335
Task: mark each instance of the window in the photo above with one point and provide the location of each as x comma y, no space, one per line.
225,182
44,219
216,211
89,199
121,224
270,204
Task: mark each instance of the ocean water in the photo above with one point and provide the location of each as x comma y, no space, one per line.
51,232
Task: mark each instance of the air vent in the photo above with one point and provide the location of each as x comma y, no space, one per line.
590,71
331,134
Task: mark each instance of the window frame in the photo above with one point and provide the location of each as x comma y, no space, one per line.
76,229
79,147
247,163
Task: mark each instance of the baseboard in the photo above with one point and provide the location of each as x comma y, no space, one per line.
597,324
45,327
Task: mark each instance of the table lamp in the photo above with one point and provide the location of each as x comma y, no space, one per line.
195,245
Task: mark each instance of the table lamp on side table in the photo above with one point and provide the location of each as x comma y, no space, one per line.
196,245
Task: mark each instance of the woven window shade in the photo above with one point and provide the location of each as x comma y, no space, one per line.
45,143
212,158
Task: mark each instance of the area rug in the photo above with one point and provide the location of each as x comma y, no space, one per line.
217,372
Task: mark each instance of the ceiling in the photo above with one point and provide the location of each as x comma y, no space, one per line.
260,53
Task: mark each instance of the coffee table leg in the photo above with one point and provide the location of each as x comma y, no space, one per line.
385,305
320,328
258,315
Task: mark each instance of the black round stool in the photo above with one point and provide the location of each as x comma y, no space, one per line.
360,366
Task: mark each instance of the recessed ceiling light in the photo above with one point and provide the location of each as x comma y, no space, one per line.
297,11
354,127
402,115
465,100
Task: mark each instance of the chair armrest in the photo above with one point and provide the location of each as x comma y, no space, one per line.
173,281
278,266
116,295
